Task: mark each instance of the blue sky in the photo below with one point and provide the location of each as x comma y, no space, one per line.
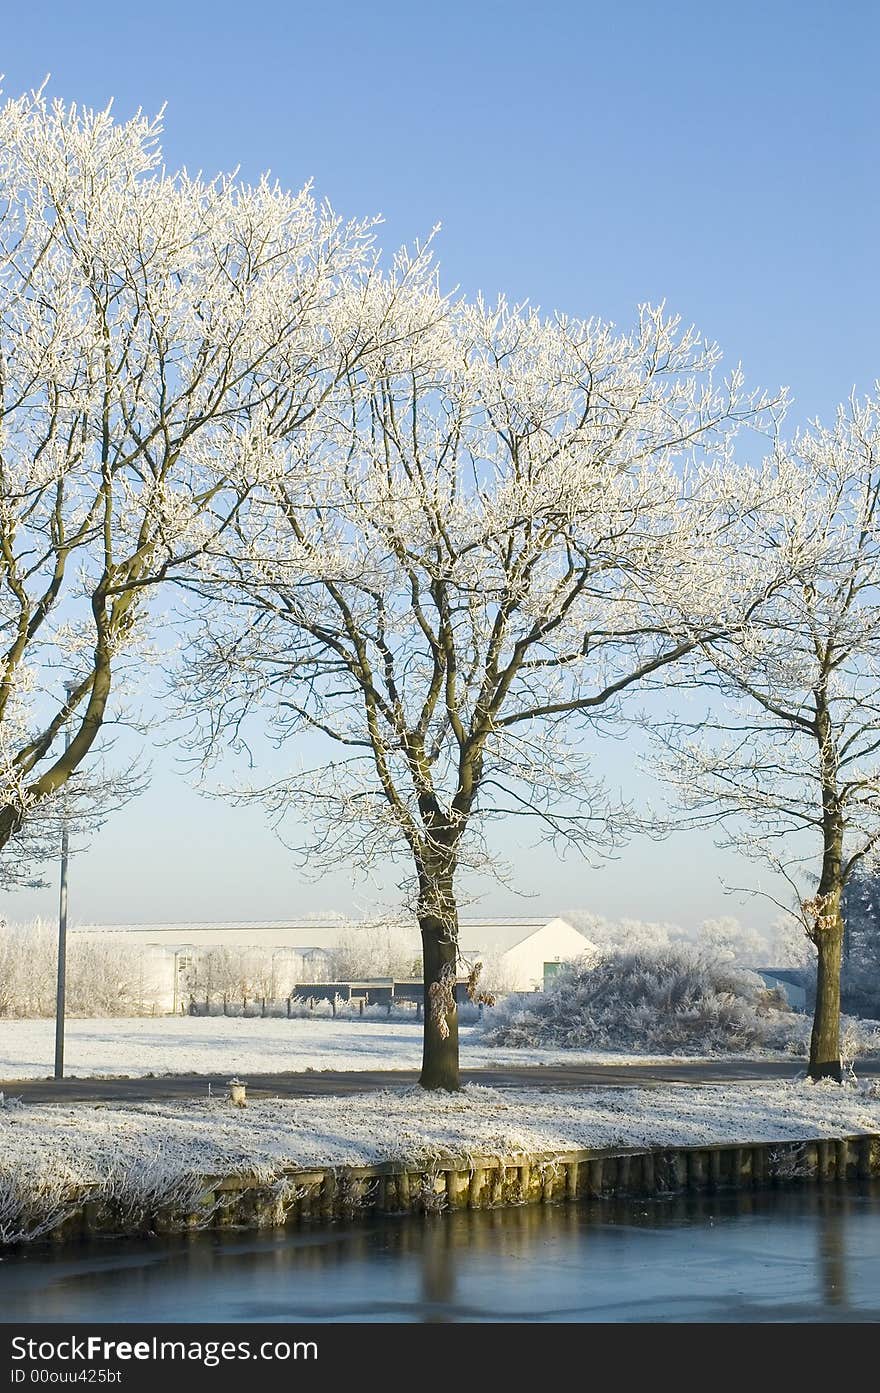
584,157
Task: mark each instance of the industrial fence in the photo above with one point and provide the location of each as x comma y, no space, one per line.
372,1000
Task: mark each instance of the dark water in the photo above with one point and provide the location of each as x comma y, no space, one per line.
800,1255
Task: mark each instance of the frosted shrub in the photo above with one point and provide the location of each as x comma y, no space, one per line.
672,998
858,1037
139,1189
30,1207
103,978
27,969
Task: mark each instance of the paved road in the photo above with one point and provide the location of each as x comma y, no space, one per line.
314,1084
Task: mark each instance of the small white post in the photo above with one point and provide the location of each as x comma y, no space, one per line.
238,1093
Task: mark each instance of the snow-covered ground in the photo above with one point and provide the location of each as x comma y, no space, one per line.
141,1046
84,1142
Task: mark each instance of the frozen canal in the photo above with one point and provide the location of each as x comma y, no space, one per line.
800,1255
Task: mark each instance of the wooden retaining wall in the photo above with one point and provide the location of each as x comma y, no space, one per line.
485,1182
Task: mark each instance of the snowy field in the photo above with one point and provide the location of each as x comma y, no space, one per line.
142,1046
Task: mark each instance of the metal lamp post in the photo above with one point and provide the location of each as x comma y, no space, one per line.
62,927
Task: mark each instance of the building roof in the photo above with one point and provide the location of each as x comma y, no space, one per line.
506,934
783,974
211,926
476,935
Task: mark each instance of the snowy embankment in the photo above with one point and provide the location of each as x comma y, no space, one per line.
52,1156
146,1156
85,1140
142,1046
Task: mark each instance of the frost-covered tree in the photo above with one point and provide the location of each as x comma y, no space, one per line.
619,933
453,582
147,320
375,950
782,944
219,973
860,978
727,939
88,798
788,759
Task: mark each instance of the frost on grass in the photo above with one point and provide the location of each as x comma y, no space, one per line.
225,1046
152,1157
30,1207
675,998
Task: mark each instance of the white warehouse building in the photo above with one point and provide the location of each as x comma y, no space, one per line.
522,955
169,960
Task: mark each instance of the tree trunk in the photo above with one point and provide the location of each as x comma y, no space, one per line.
438,921
11,819
828,920
825,1039
439,1054
75,750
